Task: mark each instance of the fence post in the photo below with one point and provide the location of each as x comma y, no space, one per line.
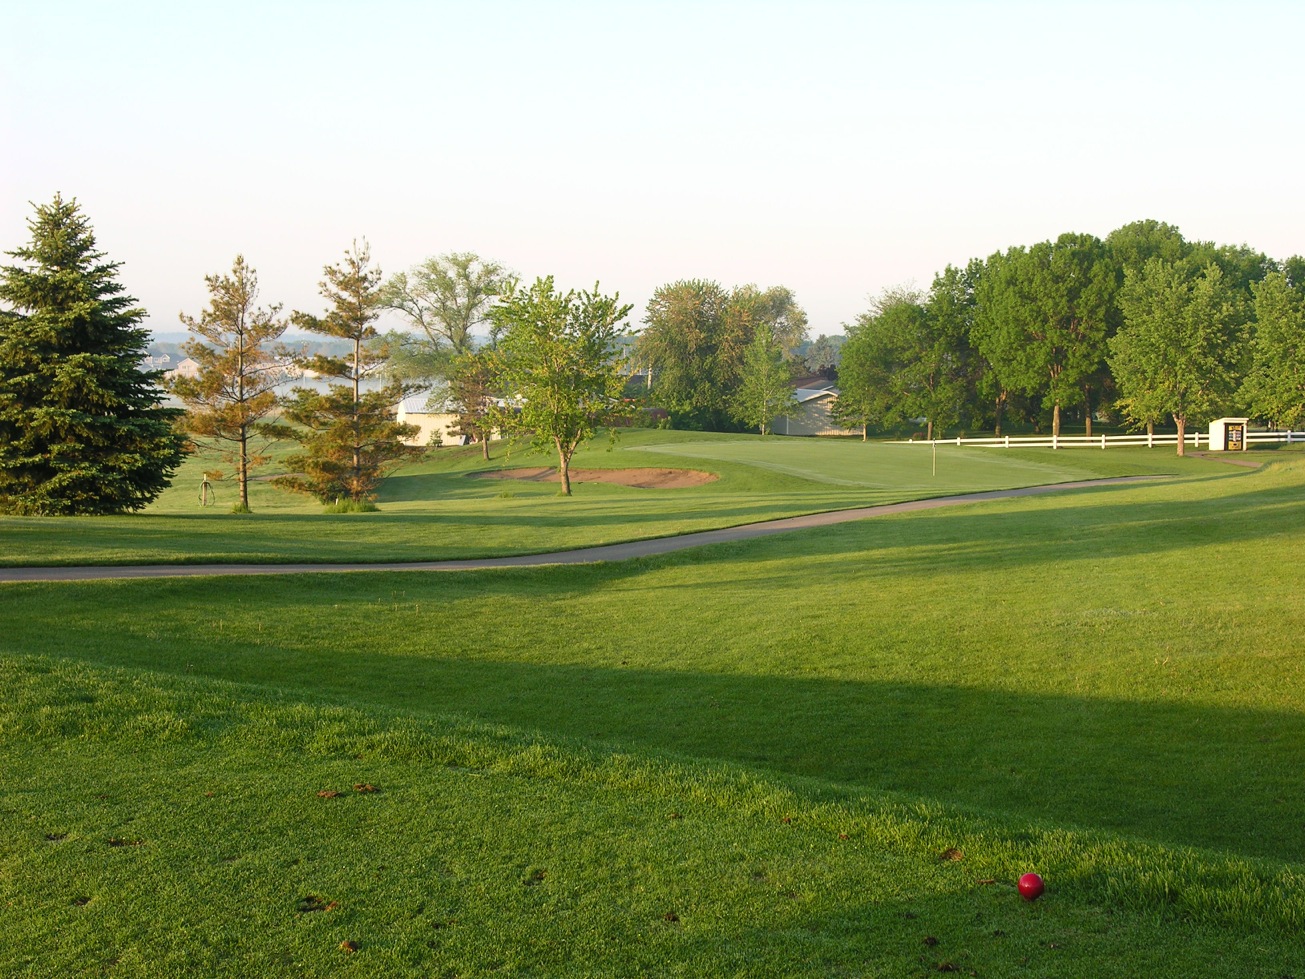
1008,441
1103,441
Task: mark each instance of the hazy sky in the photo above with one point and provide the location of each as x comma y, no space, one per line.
836,148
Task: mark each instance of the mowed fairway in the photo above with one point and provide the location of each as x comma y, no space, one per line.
433,511
821,754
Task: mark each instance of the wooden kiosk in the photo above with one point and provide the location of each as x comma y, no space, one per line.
1228,435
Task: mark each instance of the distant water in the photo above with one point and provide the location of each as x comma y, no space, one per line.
285,387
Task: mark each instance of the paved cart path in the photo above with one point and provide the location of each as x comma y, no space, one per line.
583,555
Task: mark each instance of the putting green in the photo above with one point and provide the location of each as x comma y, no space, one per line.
912,467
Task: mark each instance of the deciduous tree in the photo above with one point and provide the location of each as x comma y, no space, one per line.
874,360
822,356
234,389
1275,387
1179,348
557,367
1045,315
82,429
679,345
694,340
446,298
764,391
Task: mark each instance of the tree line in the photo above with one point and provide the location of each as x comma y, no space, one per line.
83,429
1143,326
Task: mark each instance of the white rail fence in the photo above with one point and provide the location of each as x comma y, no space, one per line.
1194,439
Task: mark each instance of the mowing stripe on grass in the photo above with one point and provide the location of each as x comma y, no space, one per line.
584,555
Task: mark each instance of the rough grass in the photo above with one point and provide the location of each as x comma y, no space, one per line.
743,760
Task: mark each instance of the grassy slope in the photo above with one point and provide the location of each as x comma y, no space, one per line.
433,511
1100,686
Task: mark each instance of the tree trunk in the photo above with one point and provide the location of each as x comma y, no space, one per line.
1087,411
357,422
1181,422
1001,406
929,429
1055,421
864,427
242,473
563,467
484,446
242,468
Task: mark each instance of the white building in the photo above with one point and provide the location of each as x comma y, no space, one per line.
813,415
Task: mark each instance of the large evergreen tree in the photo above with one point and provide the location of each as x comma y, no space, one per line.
349,435
82,429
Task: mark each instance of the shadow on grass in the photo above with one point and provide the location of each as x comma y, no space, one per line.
1175,773
495,646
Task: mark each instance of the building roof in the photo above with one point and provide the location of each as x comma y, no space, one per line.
419,404
804,395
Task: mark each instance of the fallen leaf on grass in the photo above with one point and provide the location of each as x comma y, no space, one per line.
930,940
951,853
119,841
349,946
81,902
365,787
56,837
671,916
327,794
311,902
675,815
986,880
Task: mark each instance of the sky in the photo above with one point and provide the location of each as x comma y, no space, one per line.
836,148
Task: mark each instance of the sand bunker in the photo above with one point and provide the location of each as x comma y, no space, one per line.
641,478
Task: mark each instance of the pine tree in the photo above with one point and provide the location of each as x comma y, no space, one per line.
350,437
472,397
238,372
82,430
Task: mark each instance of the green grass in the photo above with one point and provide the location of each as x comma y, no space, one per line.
772,741
432,511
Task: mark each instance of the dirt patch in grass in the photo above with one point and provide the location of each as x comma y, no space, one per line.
639,478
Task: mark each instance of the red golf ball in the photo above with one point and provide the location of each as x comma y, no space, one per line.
1031,887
